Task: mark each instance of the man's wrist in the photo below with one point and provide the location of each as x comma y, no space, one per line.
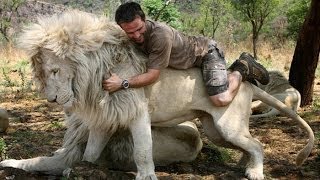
125,84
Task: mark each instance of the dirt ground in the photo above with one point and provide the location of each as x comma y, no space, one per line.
36,128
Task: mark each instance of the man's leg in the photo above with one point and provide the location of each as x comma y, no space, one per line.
221,87
225,97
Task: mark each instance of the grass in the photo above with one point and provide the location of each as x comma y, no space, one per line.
56,125
316,104
15,72
3,149
273,58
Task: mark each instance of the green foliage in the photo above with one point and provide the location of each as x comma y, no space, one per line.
3,149
211,18
7,80
316,104
220,154
256,12
211,14
110,8
188,23
8,8
296,14
56,125
162,10
21,68
84,5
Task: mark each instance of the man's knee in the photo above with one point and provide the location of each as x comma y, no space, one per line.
220,100
219,95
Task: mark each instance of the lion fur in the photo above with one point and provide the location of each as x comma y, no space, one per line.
92,42
280,88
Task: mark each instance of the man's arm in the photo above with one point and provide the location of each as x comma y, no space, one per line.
114,82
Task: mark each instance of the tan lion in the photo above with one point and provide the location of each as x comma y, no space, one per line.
70,55
279,88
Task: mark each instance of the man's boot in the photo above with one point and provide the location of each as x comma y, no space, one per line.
250,69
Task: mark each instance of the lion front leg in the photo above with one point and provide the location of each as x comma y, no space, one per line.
96,142
142,151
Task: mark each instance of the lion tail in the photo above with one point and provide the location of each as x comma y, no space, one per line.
273,102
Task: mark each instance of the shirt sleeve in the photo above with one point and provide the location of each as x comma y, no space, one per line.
160,49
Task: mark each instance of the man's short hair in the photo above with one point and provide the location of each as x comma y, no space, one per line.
128,11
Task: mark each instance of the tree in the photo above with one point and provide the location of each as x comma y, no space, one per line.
255,12
296,13
306,55
8,10
212,12
110,8
163,10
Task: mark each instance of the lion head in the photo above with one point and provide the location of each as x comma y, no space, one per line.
70,55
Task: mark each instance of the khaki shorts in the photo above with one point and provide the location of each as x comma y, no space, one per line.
214,70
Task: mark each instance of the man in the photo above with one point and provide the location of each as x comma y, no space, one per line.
166,47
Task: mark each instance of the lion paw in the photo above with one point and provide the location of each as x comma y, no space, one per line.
254,174
9,163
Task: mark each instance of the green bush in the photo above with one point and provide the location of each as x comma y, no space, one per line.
296,14
160,10
3,149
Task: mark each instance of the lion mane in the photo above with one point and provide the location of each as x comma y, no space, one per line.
96,47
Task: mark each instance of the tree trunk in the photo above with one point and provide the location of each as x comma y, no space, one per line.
254,43
254,39
306,55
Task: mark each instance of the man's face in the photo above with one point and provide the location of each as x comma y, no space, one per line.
135,29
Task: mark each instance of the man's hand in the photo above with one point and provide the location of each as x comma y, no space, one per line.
112,84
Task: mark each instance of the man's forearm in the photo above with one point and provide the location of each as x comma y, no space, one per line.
145,79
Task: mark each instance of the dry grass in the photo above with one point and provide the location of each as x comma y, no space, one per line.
15,72
10,55
271,56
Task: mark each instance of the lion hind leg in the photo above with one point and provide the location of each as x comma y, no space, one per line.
252,155
230,138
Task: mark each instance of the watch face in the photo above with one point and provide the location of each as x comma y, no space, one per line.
125,84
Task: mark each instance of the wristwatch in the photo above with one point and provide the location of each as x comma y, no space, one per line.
125,84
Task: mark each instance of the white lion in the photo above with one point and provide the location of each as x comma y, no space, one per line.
70,55
279,88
